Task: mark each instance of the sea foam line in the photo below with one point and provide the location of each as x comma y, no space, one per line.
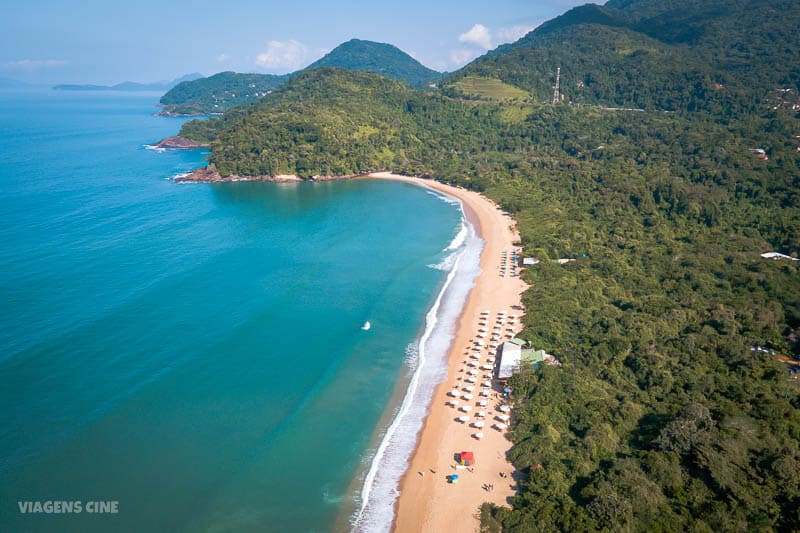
380,489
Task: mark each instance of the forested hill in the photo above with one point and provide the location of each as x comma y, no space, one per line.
378,58
674,409
219,92
228,89
677,55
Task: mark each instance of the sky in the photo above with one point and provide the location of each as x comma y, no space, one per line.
92,41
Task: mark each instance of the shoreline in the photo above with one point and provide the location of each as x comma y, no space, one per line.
395,439
210,175
416,501
426,501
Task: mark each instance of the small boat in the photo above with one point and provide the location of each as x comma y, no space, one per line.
366,326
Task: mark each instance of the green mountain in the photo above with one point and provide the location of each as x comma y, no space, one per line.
132,85
657,55
228,89
217,93
378,58
672,410
314,125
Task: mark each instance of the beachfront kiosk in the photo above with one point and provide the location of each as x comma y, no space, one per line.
514,355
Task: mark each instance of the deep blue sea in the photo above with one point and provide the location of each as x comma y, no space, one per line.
194,352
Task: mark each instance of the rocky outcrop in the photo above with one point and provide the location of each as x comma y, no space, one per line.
178,142
210,174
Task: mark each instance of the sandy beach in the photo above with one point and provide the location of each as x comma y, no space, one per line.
427,501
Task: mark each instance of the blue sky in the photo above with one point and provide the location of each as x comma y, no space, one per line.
92,41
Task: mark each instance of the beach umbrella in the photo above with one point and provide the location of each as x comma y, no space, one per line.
486,384
485,393
470,380
486,367
466,408
473,364
500,426
475,356
453,392
469,388
491,359
478,435
477,424
463,419
480,414
504,408
472,372
481,335
467,396
503,418
482,330
483,403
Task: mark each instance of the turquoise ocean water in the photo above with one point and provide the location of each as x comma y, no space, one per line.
193,351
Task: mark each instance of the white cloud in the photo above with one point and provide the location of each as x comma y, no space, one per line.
511,34
478,35
34,64
223,57
461,56
280,55
486,38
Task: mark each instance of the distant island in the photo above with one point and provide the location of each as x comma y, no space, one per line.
217,93
131,85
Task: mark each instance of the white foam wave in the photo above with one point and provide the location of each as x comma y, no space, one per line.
445,264
452,200
459,239
380,489
154,148
179,175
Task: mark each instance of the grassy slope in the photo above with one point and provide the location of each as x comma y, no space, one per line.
488,88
